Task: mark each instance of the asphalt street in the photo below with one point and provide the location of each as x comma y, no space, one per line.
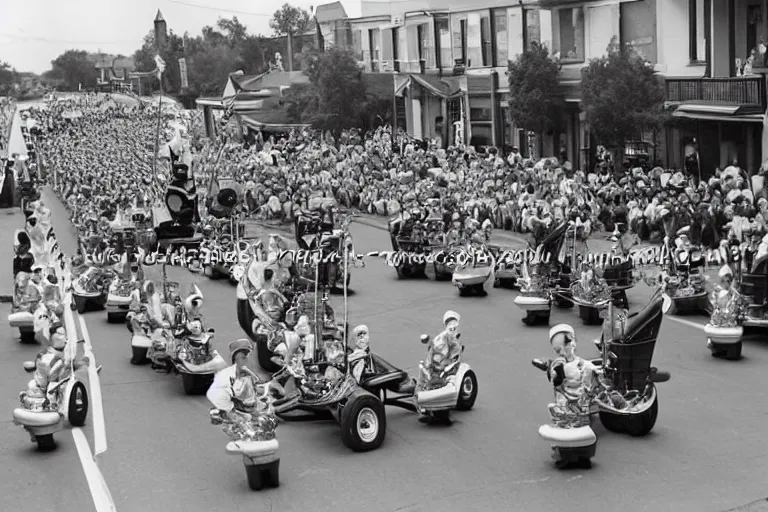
706,453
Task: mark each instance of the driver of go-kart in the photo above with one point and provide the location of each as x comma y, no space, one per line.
444,349
571,375
50,366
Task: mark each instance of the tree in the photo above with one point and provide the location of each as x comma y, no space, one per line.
9,79
535,101
290,21
76,68
621,97
210,67
144,59
335,96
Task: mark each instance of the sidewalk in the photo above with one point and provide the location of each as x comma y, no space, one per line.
11,219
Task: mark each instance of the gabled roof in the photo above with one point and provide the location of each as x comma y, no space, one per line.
330,12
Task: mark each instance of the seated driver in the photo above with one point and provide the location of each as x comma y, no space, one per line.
50,366
358,359
444,349
571,375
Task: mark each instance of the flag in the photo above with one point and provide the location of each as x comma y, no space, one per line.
160,65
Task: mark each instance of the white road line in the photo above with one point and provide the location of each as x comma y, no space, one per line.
97,411
683,321
102,498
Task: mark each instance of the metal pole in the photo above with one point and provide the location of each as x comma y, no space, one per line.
157,133
344,276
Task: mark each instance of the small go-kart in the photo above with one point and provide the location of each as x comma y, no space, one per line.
590,293
119,299
22,315
621,387
43,412
197,362
685,289
471,277
411,248
90,288
317,234
507,270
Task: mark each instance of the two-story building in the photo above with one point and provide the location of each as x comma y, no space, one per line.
450,62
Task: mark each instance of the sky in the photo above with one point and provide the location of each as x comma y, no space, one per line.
35,32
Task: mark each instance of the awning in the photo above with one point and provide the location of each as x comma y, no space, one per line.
446,88
708,111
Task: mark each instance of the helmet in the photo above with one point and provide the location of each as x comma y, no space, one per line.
451,315
561,328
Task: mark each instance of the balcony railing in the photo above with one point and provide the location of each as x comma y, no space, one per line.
747,90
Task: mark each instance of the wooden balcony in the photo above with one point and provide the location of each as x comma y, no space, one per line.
748,90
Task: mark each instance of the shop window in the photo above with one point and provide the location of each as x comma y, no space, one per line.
485,41
501,52
482,135
571,32
532,27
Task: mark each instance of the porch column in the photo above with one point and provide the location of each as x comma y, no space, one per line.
467,120
495,109
416,116
444,131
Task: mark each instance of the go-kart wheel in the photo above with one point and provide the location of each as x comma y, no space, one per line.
80,304
363,422
45,443
734,352
497,283
638,425
263,475
401,274
115,318
612,422
77,411
27,337
139,356
264,355
463,292
245,321
467,392
196,384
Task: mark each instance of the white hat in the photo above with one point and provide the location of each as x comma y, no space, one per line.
725,270
361,328
561,328
451,315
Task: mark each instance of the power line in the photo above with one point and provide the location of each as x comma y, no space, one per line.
63,41
219,9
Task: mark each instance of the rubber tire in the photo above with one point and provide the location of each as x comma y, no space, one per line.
263,475
349,415
264,356
139,356
734,352
401,274
116,318
81,304
639,425
45,443
196,384
465,403
242,315
75,418
463,292
27,337
612,422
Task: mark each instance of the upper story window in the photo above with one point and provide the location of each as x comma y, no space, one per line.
485,41
443,29
532,27
571,32
699,16
421,37
374,41
463,35
501,48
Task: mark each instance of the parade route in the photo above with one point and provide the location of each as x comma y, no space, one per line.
165,455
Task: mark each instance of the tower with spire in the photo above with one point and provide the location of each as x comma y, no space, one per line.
161,31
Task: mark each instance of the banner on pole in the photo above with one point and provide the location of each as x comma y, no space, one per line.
183,72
